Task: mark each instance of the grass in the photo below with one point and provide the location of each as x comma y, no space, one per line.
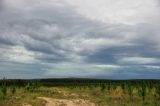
101,95
115,97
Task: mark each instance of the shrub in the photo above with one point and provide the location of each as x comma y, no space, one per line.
13,89
4,88
32,86
130,90
123,87
108,87
143,91
158,91
103,87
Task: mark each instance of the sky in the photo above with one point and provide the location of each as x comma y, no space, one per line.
106,39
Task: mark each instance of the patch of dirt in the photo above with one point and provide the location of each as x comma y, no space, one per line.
26,104
66,102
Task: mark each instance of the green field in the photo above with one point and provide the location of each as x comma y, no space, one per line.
89,91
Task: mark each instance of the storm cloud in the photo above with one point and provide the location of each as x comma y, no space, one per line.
71,38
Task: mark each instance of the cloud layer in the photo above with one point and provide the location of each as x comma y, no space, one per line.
67,38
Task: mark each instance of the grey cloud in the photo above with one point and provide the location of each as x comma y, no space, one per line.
63,33
54,32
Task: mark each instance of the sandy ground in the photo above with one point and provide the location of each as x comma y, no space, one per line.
66,102
26,104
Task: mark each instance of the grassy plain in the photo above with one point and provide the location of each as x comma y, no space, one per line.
99,93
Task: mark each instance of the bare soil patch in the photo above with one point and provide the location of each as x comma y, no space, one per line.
66,102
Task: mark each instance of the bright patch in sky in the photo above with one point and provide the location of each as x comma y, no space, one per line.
121,11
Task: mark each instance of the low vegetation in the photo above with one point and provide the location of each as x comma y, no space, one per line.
99,92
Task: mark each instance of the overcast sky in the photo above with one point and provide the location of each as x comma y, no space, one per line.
111,39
